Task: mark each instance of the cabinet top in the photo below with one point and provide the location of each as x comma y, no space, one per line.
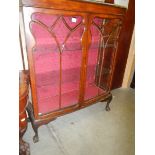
100,2
89,6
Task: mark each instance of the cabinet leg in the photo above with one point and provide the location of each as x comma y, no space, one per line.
32,120
35,137
108,100
107,108
36,124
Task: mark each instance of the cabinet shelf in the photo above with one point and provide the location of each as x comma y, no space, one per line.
50,99
68,75
67,99
49,61
74,44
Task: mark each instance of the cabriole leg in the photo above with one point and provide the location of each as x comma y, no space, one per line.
35,137
34,125
107,108
108,100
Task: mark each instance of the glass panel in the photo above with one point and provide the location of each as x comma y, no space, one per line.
57,59
46,62
104,35
71,61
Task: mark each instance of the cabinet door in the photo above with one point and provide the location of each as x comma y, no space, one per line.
101,54
55,58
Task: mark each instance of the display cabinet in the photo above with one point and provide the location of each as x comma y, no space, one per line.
71,47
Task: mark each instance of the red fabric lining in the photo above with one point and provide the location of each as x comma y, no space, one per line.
51,103
46,58
49,61
49,96
70,75
92,91
48,104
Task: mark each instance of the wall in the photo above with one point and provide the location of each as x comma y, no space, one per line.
23,42
130,66
122,2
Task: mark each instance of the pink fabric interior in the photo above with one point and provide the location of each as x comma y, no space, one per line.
92,90
67,99
46,57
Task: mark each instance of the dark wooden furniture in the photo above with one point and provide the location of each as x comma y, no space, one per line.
123,48
71,48
109,1
132,85
23,96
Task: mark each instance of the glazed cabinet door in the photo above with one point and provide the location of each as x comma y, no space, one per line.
104,34
55,57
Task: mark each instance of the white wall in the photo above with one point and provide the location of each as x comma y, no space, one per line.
23,42
122,2
130,65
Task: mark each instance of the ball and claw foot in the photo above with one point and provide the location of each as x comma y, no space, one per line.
107,108
33,123
35,138
108,100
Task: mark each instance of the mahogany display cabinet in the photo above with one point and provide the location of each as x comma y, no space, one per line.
71,48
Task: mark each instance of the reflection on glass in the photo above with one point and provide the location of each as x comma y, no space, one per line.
104,35
57,59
